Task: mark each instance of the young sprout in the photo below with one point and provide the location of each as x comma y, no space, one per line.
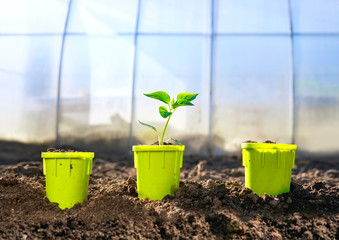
183,99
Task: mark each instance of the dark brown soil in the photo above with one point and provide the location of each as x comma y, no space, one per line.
51,149
269,141
211,203
164,143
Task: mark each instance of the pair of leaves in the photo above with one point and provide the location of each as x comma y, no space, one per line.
183,99
164,97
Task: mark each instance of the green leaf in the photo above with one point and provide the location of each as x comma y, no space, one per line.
164,113
172,102
147,125
187,96
159,95
182,102
176,140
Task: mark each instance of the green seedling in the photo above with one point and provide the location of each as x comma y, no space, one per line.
183,99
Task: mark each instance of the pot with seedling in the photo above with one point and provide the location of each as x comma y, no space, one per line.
268,166
67,176
158,166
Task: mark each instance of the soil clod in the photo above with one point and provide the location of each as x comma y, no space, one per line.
269,141
164,143
51,149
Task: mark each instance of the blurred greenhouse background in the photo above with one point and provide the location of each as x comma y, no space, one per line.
73,71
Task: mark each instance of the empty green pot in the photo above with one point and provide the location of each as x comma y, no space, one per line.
158,170
268,167
67,176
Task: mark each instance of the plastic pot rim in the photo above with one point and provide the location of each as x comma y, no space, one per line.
277,146
158,148
78,155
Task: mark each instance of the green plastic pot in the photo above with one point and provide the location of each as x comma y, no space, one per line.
158,170
268,167
67,176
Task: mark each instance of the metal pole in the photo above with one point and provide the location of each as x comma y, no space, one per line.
130,140
57,137
210,144
293,91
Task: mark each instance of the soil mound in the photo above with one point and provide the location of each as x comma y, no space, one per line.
206,209
211,203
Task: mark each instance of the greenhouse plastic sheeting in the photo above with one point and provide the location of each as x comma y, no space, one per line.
255,16
103,16
93,107
315,16
32,16
28,79
263,70
252,103
175,16
317,92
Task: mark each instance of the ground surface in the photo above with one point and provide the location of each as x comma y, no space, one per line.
211,203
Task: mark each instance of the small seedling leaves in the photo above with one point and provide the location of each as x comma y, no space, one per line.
159,95
147,125
187,96
164,113
182,102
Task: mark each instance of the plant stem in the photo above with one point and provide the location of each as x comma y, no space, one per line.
163,132
158,137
